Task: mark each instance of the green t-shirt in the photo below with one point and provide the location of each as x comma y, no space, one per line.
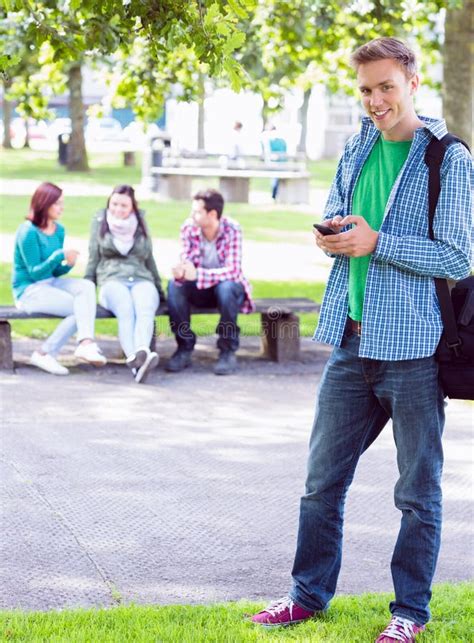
371,194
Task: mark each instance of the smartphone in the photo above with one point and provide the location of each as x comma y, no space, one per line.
323,229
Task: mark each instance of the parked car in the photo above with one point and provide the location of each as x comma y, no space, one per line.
134,132
59,126
104,129
18,133
37,132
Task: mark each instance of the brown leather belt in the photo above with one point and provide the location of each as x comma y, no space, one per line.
354,326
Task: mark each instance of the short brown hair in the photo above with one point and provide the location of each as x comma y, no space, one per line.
384,48
213,200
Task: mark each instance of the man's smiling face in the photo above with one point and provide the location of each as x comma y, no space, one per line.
387,97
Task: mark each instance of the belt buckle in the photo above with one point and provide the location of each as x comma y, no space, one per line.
355,327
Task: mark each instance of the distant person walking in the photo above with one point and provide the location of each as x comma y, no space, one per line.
209,276
235,144
121,263
381,314
274,150
39,263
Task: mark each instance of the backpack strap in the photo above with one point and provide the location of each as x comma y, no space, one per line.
434,156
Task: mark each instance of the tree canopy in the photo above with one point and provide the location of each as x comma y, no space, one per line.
159,48
75,28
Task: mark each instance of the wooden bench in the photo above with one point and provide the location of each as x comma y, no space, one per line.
234,183
127,148
280,329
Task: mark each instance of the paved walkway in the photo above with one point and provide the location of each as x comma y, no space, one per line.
113,491
116,492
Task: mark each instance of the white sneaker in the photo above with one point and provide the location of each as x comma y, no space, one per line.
90,353
137,359
48,363
148,365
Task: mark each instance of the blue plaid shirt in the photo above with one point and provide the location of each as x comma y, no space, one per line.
401,316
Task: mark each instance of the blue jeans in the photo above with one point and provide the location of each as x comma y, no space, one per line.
134,303
356,399
73,299
226,296
275,186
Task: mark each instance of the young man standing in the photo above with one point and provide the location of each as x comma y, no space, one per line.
208,276
381,313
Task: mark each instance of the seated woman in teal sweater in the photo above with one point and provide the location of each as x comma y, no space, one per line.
39,263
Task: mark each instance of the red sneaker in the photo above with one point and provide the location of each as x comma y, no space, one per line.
400,629
281,613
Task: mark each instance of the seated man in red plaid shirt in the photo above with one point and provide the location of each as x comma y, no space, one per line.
208,276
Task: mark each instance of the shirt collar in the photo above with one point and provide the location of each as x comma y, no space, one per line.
436,126
196,230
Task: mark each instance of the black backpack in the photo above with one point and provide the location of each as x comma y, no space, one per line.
455,352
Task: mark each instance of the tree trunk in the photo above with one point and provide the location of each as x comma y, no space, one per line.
265,112
304,122
201,114
77,154
7,116
458,71
27,133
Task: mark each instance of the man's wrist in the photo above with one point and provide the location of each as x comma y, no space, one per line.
385,248
375,241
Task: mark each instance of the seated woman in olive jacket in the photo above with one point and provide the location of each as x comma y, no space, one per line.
121,263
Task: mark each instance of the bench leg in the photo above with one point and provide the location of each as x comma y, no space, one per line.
280,336
129,159
234,189
293,191
153,339
175,186
6,353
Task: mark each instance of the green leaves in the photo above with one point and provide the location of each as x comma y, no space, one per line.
265,45
86,29
235,41
238,8
7,62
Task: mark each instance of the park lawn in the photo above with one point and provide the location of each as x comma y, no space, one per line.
270,223
108,169
42,165
350,619
203,325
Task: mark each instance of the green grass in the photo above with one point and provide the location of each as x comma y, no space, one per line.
272,223
263,223
203,325
43,166
108,169
259,223
351,619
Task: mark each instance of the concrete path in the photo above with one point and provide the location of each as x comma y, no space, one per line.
114,492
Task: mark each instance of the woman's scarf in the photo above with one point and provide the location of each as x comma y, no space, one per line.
122,231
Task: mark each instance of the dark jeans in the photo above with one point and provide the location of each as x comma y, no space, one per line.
356,399
275,186
227,297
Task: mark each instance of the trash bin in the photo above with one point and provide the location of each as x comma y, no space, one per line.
159,147
157,152
63,143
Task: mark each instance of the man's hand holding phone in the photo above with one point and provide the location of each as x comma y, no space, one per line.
359,241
